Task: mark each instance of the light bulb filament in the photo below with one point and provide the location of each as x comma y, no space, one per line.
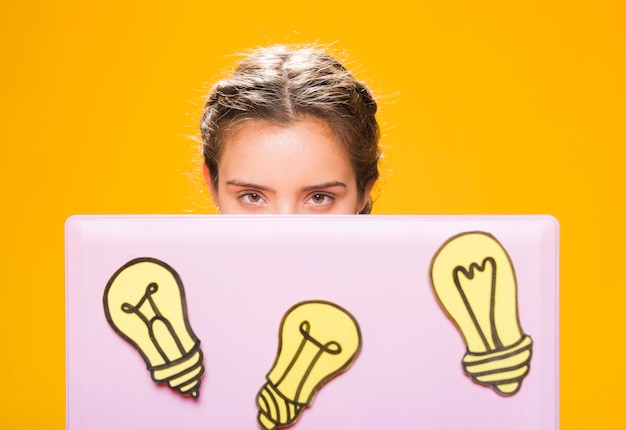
470,274
331,347
160,329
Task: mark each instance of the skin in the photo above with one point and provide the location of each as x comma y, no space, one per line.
300,168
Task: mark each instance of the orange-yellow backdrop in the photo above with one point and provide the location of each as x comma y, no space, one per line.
486,107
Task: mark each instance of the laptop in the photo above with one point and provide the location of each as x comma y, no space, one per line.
310,322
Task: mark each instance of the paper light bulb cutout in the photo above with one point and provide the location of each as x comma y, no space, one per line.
144,302
474,281
318,340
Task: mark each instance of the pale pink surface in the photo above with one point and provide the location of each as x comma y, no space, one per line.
242,274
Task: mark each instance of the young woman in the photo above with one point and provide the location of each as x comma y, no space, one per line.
290,132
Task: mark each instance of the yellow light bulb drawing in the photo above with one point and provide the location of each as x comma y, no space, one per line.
144,302
475,283
318,340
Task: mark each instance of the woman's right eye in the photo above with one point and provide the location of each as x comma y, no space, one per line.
252,198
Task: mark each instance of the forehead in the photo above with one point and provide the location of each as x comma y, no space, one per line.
254,144
308,128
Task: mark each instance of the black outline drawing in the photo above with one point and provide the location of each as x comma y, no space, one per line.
495,374
190,362
270,398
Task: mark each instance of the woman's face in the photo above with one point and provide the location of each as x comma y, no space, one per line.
301,168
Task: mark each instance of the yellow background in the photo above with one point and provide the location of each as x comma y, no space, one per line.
486,107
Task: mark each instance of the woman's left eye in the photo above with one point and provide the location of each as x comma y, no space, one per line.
319,199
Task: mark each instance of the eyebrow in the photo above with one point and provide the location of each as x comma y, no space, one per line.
325,185
244,184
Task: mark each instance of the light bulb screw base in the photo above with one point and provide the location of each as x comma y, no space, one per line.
504,369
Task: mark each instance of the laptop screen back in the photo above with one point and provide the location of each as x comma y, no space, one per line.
348,322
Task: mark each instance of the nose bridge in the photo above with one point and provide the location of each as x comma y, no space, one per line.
284,205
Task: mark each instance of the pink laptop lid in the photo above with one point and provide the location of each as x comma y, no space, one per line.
347,322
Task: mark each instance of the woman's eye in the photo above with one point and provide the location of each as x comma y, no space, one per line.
252,198
320,199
